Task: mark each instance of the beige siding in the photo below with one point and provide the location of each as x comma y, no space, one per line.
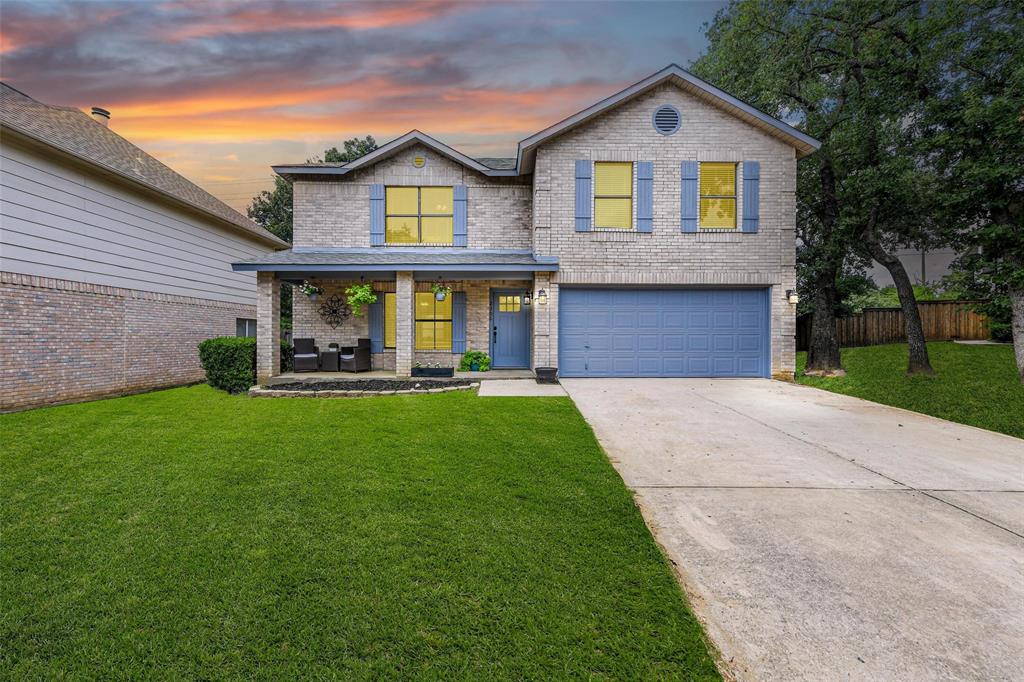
63,221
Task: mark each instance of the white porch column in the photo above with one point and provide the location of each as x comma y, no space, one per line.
268,326
405,311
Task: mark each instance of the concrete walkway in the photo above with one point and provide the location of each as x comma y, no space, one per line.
822,537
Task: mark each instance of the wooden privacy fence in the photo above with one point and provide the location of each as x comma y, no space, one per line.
942,321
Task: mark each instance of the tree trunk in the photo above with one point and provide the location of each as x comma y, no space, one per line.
1017,325
823,348
918,361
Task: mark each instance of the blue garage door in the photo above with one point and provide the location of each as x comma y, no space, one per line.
663,333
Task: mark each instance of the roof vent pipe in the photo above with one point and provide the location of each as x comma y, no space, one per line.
101,116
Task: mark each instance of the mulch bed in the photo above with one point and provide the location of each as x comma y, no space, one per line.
370,385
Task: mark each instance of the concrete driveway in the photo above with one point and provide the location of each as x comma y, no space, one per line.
823,537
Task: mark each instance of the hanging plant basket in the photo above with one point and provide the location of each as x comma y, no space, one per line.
310,290
441,290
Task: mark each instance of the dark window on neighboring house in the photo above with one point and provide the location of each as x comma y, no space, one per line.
245,327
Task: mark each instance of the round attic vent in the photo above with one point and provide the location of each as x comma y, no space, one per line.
667,119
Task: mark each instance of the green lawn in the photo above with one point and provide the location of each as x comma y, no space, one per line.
974,385
188,534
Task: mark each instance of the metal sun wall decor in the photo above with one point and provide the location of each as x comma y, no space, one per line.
334,310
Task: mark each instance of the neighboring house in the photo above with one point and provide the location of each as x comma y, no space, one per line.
922,266
651,234
112,266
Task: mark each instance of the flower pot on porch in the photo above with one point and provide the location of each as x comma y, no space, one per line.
433,371
547,375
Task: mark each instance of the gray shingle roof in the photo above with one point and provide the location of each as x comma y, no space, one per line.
74,132
396,258
498,163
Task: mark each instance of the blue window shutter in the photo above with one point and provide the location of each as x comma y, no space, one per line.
584,197
458,321
375,315
376,215
644,196
459,220
751,195
688,197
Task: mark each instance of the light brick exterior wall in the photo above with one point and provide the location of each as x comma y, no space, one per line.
65,341
337,214
666,256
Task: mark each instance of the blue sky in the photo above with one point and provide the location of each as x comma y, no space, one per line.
220,90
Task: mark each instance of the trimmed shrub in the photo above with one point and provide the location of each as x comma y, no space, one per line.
229,362
287,357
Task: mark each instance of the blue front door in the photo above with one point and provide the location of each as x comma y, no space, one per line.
510,329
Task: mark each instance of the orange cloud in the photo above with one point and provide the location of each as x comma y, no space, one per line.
357,16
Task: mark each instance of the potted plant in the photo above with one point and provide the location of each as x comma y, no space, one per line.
475,361
432,369
310,290
441,290
358,296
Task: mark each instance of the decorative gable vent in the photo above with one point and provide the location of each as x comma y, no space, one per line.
667,119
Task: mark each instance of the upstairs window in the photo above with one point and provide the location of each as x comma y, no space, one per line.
418,215
613,195
433,322
718,196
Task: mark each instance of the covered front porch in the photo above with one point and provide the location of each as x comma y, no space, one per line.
496,302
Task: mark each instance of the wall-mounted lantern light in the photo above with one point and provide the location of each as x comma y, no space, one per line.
526,298
792,296
542,297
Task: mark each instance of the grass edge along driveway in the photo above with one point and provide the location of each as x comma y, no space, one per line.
188,533
973,384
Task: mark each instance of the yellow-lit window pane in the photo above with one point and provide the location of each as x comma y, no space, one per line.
436,230
424,305
436,200
390,320
718,213
613,178
442,335
616,213
718,179
401,230
443,309
424,336
401,200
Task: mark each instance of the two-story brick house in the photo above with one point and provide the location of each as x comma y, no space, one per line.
651,234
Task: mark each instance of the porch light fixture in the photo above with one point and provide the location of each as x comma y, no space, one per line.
542,297
792,296
527,300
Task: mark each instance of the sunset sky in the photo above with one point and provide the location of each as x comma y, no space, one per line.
221,90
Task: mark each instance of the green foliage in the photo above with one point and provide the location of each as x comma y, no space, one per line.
229,362
979,286
475,356
428,537
354,148
287,357
358,296
974,385
273,209
888,298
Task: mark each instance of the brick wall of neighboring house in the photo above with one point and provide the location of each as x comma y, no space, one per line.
337,214
307,322
666,256
66,341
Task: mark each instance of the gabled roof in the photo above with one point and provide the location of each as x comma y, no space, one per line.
76,134
413,137
523,163
804,143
